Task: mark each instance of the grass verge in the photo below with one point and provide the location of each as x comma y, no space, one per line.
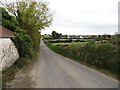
9,73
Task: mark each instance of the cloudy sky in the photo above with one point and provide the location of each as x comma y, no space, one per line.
84,17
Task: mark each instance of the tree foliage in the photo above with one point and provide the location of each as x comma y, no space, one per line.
116,39
31,16
56,35
23,42
8,21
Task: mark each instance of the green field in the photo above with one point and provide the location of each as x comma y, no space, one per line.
73,41
79,43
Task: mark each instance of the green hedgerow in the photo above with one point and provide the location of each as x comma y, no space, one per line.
23,42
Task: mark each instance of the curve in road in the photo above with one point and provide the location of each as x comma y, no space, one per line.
55,71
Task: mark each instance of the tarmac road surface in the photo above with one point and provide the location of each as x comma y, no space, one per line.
55,71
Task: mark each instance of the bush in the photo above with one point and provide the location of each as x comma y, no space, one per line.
8,21
116,39
23,42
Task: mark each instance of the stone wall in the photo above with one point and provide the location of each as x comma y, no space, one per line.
8,53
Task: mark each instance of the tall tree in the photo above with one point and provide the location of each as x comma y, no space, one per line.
55,35
31,16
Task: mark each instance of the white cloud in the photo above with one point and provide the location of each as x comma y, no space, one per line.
84,16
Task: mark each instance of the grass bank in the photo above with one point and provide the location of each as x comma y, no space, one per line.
9,73
102,57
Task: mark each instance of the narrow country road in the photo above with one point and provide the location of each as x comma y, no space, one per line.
55,71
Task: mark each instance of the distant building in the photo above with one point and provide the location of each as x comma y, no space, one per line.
80,36
74,36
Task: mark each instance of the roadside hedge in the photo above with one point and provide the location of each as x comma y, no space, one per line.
102,56
23,42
